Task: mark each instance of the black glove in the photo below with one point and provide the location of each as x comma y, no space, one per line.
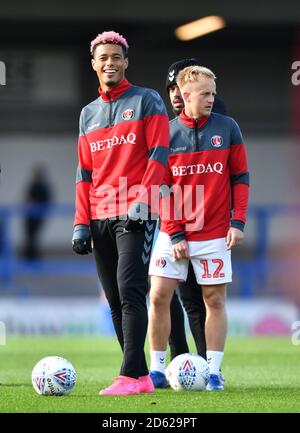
82,240
138,214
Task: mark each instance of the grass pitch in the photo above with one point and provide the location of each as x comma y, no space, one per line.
262,375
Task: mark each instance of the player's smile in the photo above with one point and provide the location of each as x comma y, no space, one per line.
110,72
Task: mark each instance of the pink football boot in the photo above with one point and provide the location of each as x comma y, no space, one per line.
122,385
146,384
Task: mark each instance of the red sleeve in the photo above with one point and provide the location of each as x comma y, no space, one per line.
240,200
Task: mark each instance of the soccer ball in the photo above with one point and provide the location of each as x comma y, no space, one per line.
188,372
53,375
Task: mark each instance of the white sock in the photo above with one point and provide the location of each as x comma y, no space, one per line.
158,361
214,360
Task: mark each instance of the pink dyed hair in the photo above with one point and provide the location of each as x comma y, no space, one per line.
109,37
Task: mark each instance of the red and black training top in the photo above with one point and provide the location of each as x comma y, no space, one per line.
122,151
207,156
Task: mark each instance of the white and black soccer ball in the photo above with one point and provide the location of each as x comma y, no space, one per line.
188,372
53,375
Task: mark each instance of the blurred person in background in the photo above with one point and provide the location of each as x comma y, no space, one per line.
207,154
123,145
190,291
38,194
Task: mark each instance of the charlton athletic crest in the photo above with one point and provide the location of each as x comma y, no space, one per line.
128,114
160,263
216,140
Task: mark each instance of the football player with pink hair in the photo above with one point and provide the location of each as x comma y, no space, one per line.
122,153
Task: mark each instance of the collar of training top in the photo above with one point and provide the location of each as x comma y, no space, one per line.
190,122
116,92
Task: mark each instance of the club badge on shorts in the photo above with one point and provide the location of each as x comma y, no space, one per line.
160,263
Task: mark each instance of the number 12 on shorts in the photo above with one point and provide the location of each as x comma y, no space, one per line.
216,270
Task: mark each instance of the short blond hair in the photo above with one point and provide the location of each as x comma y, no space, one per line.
192,74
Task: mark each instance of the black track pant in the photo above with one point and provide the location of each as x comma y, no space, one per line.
177,340
122,260
192,299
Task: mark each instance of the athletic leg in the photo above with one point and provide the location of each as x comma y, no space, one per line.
212,265
215,331
161,293
165,274
216,318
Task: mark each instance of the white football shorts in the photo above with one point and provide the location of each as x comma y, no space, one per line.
210,259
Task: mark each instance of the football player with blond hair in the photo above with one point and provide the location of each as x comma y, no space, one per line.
208,160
